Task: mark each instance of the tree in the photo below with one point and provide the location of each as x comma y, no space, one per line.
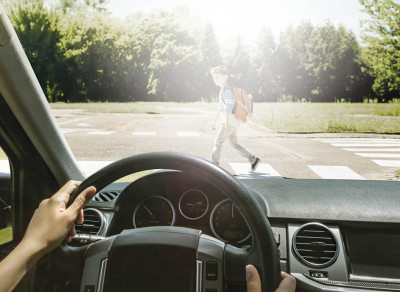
174,61
210,56
239,64
37,30
381,33
266,85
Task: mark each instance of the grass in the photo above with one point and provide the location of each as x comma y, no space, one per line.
6,235
328,117
397,173
3,156
282,117
138,107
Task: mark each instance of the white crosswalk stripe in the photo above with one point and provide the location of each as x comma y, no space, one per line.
369,147
372,149
388,163
101,132
67,131
330,140
188,134
144,133
364,144
335,172
380,155
264,170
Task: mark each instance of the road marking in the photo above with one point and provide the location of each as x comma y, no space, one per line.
84,125
388,163
264,170
67,131
380,155
4,166
90,167
144,133
364,145
101,133
73,121
373,149
188,134
329,140
335,172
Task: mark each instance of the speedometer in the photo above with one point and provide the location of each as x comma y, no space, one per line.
228,224
154,211
193,204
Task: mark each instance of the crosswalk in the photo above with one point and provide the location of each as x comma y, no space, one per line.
370,148
383,152
138,133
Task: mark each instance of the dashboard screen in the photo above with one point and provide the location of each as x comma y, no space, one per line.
374,253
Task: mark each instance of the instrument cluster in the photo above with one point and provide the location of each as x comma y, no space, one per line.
194,207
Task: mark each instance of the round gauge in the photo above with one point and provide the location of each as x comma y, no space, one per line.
193,204
227,223
154,211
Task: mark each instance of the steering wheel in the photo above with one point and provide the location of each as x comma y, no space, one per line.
175,258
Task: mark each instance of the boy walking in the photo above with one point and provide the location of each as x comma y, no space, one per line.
228,123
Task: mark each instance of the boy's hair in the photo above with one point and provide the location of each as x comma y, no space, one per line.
221,69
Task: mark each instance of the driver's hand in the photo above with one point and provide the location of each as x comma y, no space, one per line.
52,222
288,283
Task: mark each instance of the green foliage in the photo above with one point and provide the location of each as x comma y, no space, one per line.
381,33
321,63
37,29
80,53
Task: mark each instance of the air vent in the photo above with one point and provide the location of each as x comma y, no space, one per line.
315,245
106,196
94,222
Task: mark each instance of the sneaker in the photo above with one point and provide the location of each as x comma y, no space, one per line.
255,164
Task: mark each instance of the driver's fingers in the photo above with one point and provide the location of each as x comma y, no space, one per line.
62,196
252,279
81,200
288,283
69,187
72,231
79,219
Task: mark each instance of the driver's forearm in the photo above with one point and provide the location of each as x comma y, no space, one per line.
17,264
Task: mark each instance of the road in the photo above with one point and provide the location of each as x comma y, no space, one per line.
98,139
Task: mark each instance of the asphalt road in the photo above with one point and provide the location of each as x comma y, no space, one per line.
97,139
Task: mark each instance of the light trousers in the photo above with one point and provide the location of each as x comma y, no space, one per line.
232,138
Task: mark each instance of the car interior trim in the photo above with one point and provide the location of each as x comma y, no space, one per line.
199,275
102,275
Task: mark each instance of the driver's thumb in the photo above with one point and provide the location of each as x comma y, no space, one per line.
252,279
81,201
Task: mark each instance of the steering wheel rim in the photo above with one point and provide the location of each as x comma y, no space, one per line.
263,253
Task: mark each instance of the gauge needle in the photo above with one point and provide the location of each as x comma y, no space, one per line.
147,209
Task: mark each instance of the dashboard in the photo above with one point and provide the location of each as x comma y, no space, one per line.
330,236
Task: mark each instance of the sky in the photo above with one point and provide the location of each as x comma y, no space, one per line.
246,17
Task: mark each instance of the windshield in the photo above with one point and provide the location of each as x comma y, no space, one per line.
264,89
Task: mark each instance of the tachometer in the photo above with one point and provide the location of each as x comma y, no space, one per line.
193,204
154,211
228,224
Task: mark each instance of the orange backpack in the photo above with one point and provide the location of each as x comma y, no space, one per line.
243,107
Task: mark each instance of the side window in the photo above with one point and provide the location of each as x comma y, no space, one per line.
5,200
